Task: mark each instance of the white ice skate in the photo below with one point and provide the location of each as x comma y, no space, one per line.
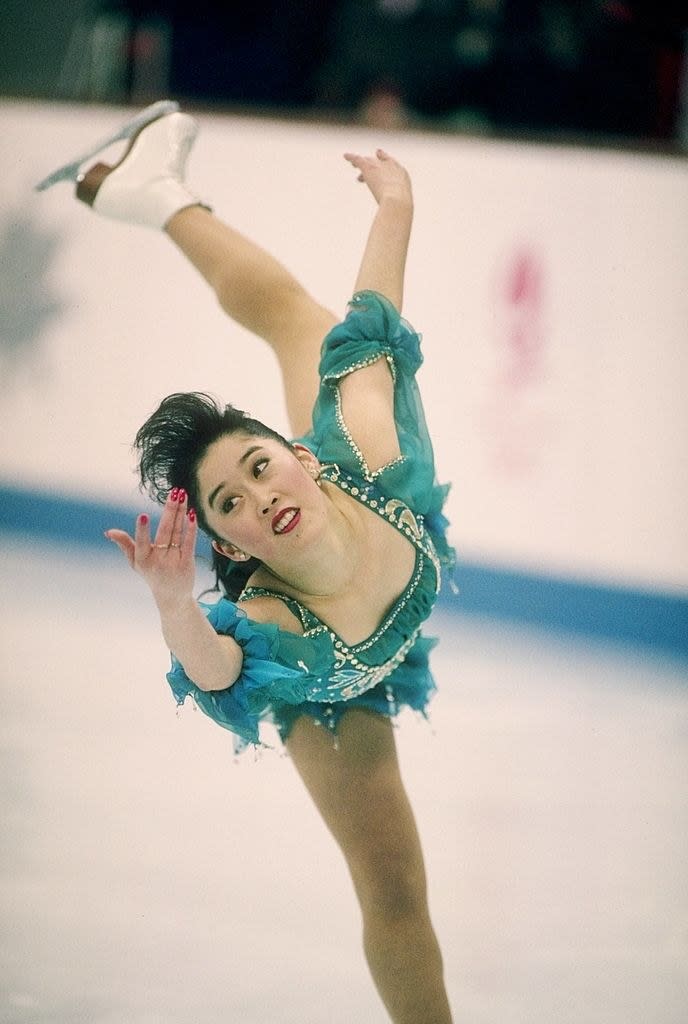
147,185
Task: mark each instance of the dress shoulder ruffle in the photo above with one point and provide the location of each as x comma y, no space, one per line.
277,667
371,328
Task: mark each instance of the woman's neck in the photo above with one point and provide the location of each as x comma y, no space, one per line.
332,559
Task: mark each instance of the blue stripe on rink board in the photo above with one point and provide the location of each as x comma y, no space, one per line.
603,611
613,613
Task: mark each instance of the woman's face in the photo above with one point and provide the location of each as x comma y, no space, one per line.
260,497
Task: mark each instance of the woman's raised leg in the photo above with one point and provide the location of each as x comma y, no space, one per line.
260,294
147,187
358,790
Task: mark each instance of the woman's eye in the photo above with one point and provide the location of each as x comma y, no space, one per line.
229,503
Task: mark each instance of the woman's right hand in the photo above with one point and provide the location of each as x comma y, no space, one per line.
166,563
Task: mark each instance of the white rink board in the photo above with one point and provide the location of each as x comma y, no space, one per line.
549,285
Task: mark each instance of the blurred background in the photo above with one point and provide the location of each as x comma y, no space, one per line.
147,878
606,69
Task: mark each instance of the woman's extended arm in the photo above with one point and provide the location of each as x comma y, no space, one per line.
384,258
213,662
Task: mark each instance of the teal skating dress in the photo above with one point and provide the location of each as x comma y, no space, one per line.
285,675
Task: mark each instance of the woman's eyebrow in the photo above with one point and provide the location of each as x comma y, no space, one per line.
249,452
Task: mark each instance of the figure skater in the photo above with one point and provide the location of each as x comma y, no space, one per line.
327,548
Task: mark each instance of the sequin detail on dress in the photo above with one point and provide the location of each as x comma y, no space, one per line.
352,676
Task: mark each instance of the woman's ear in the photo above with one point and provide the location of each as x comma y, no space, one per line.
307,459
230,551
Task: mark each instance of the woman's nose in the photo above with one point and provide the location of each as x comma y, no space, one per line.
266,508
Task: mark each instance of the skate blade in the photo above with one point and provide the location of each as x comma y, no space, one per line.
70,171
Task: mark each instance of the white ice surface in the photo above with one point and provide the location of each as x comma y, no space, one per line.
148,879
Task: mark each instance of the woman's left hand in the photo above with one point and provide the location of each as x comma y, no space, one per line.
383,175
213,662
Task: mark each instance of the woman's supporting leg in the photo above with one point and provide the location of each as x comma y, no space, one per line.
358,790
260,294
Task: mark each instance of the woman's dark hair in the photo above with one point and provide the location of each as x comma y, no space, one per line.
171,444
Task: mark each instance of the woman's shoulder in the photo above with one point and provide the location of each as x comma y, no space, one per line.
269,608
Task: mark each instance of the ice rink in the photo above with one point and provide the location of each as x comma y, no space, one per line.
150,879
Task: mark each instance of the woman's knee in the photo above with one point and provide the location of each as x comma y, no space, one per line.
390,885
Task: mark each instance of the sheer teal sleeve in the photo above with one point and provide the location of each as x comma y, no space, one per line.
278,667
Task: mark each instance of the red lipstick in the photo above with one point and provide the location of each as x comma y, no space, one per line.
285,520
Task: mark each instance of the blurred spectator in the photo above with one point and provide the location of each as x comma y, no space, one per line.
600,67
610,67
424,58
